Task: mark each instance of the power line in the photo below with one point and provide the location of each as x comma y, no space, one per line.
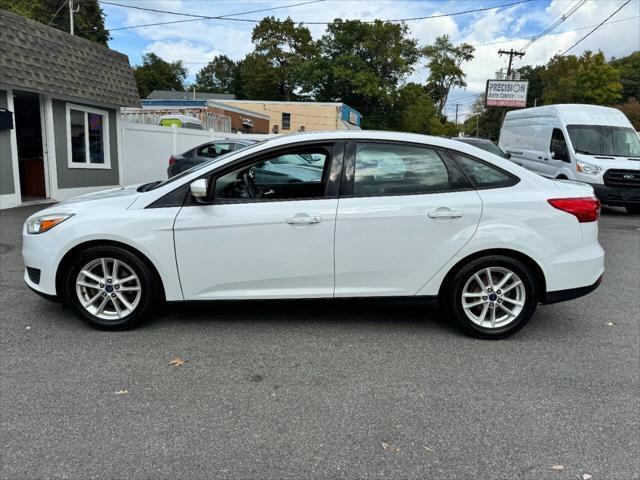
555,24
57,12
550,34
196,18
598,26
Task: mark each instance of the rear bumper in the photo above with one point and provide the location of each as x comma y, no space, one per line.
570,294
616,196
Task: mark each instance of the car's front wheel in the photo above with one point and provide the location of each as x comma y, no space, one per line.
110,288
492,297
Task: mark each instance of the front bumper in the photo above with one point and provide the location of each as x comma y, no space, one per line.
616,196
41,253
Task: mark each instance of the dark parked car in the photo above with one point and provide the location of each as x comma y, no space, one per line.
203,153
484,144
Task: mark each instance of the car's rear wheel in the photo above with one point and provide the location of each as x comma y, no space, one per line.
633,209
492,297
110,288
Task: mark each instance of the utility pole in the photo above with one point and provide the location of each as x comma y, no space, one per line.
477,126
457,105
512,53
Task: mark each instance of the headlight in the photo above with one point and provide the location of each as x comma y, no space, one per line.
587,168
46,222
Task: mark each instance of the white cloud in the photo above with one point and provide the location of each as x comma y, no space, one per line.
199,41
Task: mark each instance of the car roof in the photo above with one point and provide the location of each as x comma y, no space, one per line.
472,139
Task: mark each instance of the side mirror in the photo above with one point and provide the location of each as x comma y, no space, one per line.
199,190
507,155
553,154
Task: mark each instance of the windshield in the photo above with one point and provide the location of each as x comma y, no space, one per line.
604,140
192,169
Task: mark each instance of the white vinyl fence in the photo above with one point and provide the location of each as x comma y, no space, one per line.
146,148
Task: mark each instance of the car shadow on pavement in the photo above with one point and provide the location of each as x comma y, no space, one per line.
375,312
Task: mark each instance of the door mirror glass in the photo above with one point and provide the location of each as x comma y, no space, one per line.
507,155
199,189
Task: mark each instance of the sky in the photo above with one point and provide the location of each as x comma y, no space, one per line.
197,42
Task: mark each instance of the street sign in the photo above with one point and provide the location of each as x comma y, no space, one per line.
506,93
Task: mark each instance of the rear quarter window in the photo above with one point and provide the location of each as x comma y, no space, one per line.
483,174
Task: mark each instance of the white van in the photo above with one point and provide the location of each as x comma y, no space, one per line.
587,143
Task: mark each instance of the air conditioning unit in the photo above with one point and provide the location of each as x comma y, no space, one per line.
276,129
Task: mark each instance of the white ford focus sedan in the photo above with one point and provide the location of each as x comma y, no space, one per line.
326,215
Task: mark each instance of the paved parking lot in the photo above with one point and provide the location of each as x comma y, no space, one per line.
322,389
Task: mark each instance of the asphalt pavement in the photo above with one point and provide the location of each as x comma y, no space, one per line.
322,389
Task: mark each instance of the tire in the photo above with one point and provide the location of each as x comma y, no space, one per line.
465,282
633,209
120,301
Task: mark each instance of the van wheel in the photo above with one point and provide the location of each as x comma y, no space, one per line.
633,209
110,288
562,177
492,297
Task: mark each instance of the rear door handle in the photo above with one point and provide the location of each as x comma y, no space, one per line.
303,220
445,214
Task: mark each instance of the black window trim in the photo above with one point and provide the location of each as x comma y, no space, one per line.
336,156
348,176
514,178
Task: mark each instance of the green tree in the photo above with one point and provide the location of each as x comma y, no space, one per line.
445,68
218,76
586,79
362,64
631,108
597,82
414,110
486,121
629,70
158,74
88,20
536,85
274,70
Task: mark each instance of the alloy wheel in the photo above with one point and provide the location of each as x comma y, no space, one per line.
108,288
493,297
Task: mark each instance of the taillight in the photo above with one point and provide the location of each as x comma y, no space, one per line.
585,209
172,160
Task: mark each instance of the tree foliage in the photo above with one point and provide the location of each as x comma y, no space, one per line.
275,67
445,68
220,75
158,74
362,64
88,20
631,108
585,79
629,70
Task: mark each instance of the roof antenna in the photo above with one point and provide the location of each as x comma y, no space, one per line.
71,12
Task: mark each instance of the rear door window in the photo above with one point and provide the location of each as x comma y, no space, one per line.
389,169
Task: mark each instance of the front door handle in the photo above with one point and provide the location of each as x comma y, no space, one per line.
303,220
445,214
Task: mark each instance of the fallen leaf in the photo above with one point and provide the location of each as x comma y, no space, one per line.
122,392
177,362
557,468
586,476
389,448
610,324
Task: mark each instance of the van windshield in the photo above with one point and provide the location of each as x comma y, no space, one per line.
604,140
